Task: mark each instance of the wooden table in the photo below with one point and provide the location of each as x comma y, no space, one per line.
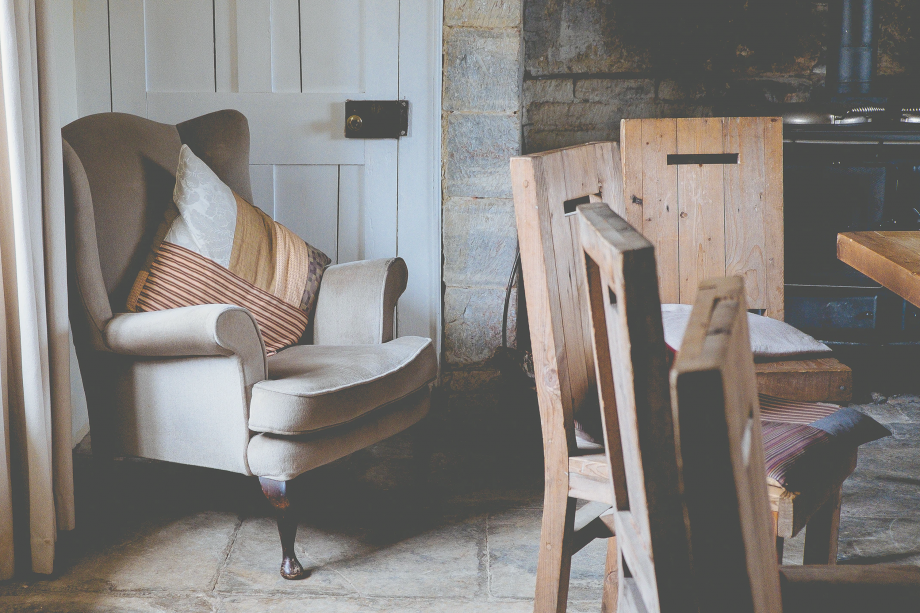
890,258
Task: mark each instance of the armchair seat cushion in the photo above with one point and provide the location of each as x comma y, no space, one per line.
314,387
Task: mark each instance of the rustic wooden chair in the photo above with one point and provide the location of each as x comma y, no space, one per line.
691,512
708,193
547,188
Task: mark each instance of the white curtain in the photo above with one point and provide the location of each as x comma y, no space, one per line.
36,471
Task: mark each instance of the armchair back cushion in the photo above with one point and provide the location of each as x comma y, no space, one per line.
127,167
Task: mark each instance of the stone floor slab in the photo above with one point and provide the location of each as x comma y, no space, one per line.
183,555
255,559
105,603
269,604
514,541
447,561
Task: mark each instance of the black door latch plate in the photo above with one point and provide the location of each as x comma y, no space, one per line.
376,118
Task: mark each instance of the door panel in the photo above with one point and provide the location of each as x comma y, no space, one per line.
91,46
179,44
286,73
263,187
307,202
328,66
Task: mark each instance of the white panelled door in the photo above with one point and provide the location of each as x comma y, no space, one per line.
289,66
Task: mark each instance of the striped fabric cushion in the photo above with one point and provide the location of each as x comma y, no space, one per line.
786,446
802,439
180,277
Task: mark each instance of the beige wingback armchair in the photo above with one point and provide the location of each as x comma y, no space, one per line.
192,385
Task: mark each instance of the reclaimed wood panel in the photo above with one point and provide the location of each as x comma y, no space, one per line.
660,221
745,207
701,205
775,233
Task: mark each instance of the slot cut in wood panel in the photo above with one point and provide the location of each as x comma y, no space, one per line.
678,159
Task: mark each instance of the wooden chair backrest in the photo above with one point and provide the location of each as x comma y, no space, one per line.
547,187
724,478
650,520
702,476
708,194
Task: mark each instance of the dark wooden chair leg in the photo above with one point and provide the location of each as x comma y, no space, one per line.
611,584
555,559
821,533
277,494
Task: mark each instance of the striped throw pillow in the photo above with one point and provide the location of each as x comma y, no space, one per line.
213,247
180,277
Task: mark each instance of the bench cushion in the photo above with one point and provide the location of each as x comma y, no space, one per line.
314,387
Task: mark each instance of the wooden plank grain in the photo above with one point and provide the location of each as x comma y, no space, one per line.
701,199
534,238
891,258
818,380
773,217
745,240
660,205
630,206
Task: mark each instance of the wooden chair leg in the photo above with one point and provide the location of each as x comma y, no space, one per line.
779,540
555,560
611,585
277,494
821,533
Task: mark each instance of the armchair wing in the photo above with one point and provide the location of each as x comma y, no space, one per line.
357,301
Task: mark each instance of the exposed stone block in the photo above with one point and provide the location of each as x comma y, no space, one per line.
615,91
482,70
549,90
473,323
476,151
483,13
479,241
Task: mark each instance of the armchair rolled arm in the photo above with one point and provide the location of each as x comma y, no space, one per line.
203,330
357,301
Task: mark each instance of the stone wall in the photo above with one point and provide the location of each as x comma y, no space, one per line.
481,123
590,63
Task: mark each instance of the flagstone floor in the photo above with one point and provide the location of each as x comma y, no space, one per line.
380,537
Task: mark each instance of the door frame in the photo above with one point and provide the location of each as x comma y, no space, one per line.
419,166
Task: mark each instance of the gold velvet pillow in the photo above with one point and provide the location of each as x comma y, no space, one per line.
215,248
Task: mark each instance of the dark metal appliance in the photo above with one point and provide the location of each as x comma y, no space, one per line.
851,165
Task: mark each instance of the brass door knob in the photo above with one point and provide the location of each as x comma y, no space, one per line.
354,123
